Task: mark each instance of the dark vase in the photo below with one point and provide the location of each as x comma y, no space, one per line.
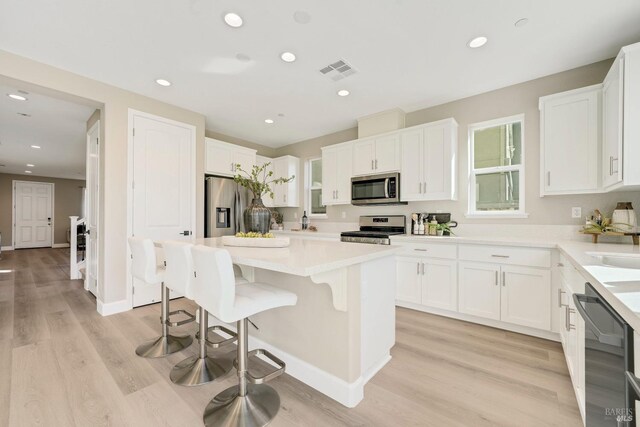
257,217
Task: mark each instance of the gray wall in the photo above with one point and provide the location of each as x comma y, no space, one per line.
512,100
67,202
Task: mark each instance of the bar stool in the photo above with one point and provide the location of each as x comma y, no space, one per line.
145,268
201,368
251,402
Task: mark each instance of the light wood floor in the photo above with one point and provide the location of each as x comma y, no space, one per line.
62,364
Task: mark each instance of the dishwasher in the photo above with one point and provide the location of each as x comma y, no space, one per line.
611,387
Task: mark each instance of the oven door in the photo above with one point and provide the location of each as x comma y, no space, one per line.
375,189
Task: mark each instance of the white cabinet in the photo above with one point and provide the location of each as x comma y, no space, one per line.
612,104
428,282
286,195
428,161
221,157
262,160
376,155
337,165
570,142
479,289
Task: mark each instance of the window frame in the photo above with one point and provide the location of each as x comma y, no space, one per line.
473,173
309,186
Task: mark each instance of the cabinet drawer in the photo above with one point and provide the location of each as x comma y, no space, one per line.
431,250
506,255
572,277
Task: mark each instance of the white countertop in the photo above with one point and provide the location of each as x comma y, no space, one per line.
503,241
307,234
304,257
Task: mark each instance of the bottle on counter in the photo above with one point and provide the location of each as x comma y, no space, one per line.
305,221
433,226
421,225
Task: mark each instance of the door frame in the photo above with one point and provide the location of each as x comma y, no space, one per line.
98,236
194,145
13,211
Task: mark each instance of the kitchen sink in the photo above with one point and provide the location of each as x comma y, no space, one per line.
618,260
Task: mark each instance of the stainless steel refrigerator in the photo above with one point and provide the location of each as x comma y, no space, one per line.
224,204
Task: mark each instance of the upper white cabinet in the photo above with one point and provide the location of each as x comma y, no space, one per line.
261,160
221,157
612,104
428,161
286,195
570,142
376,155
337,168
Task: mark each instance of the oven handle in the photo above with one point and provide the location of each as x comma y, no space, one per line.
387,181
609,339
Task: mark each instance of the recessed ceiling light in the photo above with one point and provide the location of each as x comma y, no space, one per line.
343,92
27,171
288,57
17,97
301,17
233,20
521,22
477,42
37,147
163,82
29,165
268,121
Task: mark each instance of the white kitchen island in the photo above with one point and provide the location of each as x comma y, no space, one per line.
342,329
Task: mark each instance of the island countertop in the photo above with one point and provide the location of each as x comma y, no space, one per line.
304,257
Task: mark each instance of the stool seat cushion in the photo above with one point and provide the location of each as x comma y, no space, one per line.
253,298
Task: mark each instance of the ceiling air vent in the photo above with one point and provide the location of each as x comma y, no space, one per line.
338,70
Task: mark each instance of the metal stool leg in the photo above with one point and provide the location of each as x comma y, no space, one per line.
201,369
245,404
166,343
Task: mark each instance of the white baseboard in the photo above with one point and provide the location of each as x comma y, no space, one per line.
7,248
107,309
60,245
343,392
548,335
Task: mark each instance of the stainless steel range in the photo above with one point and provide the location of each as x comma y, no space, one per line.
376,229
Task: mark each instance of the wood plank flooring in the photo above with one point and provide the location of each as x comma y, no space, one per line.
62,364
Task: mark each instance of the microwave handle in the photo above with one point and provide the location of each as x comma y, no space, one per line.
387,181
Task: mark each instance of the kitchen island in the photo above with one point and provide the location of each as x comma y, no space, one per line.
342,329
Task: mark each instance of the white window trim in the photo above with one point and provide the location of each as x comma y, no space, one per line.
471,206
308,187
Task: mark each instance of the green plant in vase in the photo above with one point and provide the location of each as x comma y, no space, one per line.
443,228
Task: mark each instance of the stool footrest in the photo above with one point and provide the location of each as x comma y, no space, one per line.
263,379
190,318
222,343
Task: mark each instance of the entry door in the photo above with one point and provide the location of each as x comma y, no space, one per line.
33,214
163,187
93,192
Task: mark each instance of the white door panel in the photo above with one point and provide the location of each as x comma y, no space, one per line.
439,284
33,214
162,187
526,297
409,280
387,154
479,290
412,165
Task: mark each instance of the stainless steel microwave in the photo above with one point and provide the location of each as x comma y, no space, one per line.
383,189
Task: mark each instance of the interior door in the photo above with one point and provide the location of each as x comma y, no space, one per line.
163,187
479,289
412,164
92,211
33,214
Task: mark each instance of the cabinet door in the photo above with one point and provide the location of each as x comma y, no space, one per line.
363,157
409,279
246,159
411,165
438,163
261,160
218,158
526,297
286,195
343,175
329,176
479,290
612,125
440,284
570,129
280,170
387,154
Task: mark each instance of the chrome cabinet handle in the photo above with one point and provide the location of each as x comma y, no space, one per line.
500,256
566,317
610,165
560,264
422,268
372,165
376,164
615,159
496,277
420,187
569,312
421,250
548,179
504,282
336,194
418,268
560,304
424,184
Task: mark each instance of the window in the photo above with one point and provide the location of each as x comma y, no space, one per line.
496,168
314,206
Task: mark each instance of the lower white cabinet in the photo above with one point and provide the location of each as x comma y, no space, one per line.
514,294
426,281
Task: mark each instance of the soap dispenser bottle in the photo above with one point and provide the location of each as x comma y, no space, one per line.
433,226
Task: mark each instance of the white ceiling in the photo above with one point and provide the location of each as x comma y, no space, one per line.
408,53
58,127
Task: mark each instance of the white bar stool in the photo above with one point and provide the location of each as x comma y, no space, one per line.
144,267
201,368
251,402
